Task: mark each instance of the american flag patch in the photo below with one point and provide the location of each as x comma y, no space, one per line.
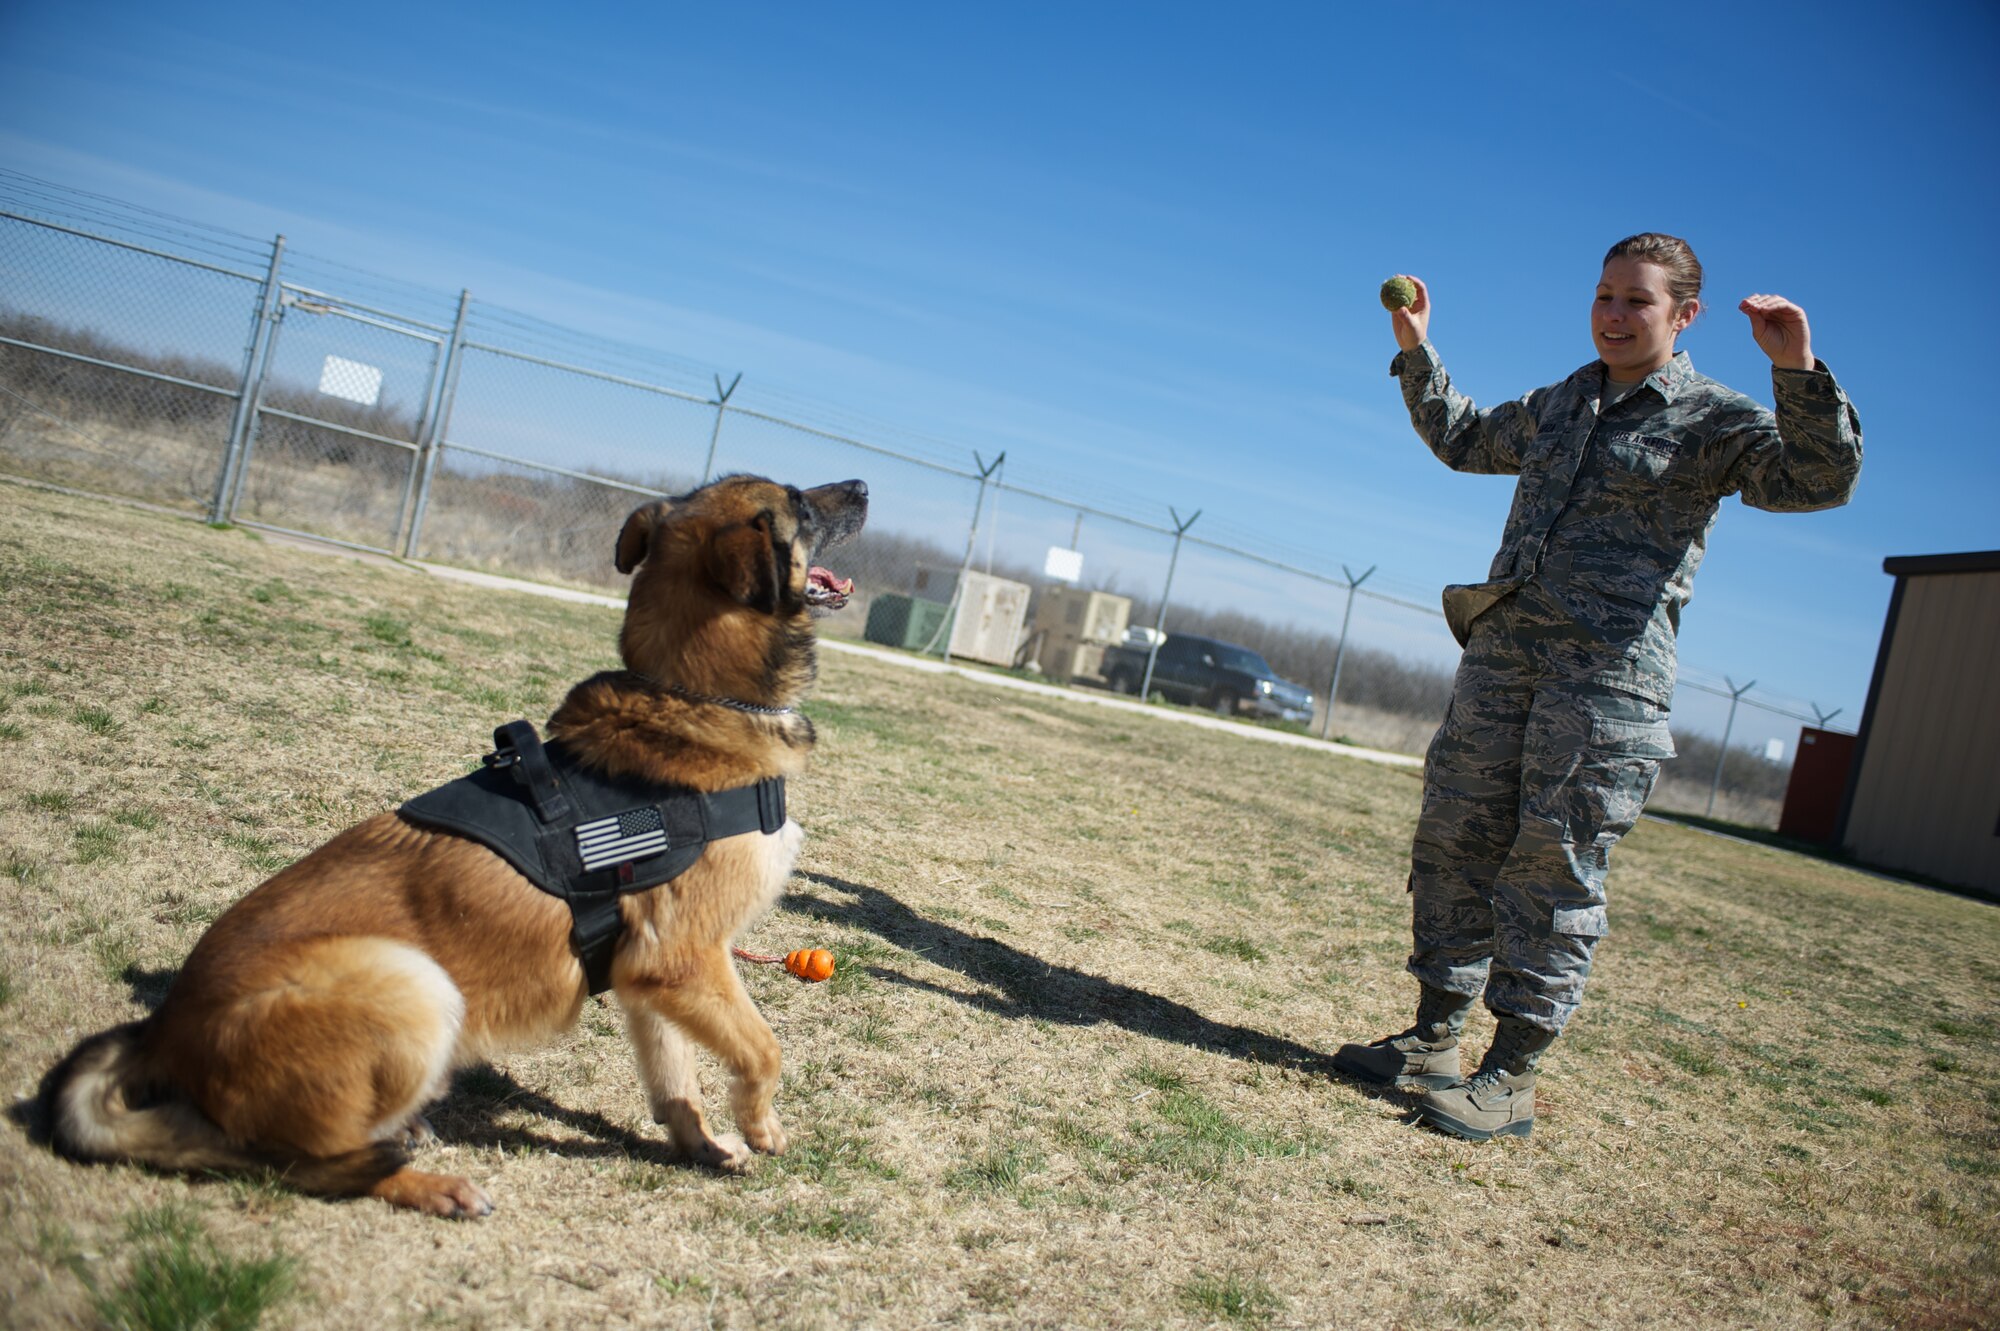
631,835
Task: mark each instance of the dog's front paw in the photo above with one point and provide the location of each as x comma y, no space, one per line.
462,1200
726,1154
435,1194
766,1136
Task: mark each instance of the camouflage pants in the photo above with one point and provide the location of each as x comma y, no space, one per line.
1527,785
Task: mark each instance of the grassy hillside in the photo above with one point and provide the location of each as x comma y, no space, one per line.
1073,1070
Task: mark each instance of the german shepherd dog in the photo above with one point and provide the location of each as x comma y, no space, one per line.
321,1013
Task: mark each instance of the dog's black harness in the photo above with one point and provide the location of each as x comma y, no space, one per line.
585,837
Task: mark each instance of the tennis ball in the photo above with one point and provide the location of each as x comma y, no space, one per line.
1398,293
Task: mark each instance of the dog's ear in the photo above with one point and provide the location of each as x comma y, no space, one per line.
637,537
745,564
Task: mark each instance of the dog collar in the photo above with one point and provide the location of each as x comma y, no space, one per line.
734,704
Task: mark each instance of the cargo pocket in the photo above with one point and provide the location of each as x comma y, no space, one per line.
1632,732
1580,921
1614,777
1597,759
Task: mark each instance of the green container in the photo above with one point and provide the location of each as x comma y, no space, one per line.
904,621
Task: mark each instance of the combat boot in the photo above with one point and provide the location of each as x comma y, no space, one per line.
1422,1057
1499,1099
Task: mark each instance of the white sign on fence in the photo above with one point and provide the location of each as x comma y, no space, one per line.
352,380
1063,565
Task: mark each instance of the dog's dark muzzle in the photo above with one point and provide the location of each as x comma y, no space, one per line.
838,512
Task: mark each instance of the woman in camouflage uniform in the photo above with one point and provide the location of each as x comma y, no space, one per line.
1558,718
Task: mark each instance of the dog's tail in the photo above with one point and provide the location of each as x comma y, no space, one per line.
106,1105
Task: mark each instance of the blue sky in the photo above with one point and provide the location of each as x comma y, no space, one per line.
1136,246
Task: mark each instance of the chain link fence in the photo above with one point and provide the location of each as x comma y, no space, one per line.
149,358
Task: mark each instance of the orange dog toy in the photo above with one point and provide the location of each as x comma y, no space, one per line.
811,964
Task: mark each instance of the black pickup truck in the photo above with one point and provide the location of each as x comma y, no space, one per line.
1205,672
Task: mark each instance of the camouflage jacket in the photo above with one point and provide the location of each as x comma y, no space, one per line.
1612,510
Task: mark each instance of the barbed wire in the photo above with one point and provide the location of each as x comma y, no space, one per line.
58,201
695,376
1069,492
943,454
380,288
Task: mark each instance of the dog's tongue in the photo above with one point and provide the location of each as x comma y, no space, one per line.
825,589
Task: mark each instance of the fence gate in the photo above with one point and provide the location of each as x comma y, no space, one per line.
338,415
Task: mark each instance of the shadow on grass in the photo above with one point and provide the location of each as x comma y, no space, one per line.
149,987
1028,987
486,1107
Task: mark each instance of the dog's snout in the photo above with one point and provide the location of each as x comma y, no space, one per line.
840,508
840,493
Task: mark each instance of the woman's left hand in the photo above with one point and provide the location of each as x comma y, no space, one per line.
1780,329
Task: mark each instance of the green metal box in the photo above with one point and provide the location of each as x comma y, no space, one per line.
905,621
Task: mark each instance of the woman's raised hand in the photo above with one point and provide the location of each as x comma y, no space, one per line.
1412,323
1780,329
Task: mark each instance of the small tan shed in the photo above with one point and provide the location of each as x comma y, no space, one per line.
1924,796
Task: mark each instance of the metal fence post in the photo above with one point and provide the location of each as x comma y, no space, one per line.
433,441
993,527
240,421
1160,620
1735,694
715,435
433,403
1340,652
986,471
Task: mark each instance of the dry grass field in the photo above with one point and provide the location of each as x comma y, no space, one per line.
1073,1071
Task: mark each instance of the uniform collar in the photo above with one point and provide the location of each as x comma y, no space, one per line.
1672,379
1669,381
